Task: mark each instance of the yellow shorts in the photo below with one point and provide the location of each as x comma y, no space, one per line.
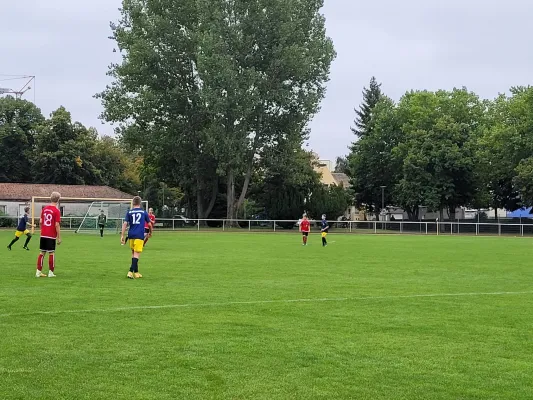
324,234
20,233
137,245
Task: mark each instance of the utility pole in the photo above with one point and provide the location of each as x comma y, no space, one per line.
383,198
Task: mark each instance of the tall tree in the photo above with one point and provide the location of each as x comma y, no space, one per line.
439,150
256,93
65,152
214,83
155,97
286,182
19,120
371,97
372,163
506,148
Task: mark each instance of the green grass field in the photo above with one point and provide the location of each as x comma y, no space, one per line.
258,316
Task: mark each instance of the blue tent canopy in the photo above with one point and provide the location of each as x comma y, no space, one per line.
520,213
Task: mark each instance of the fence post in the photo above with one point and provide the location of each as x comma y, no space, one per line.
401,227
249,225
499,229
173,226
70,223
458,227
426,228
521,230
375,227
198,224
477,229
274,225
223,225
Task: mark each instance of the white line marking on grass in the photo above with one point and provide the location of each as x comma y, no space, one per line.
259,302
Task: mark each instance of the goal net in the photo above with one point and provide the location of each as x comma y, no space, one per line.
81,215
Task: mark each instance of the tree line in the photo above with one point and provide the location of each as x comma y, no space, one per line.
442,150
211,102
35,149
56,150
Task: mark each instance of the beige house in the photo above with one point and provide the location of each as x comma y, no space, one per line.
326,176
325,168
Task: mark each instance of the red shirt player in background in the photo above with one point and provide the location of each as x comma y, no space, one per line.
305,228
149,227
50,233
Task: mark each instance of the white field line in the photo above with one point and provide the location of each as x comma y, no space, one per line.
260,302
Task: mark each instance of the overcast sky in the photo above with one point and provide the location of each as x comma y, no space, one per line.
410,44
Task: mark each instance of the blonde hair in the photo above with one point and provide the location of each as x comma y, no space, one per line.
137,201
54,197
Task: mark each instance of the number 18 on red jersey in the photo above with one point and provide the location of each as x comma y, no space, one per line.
50,215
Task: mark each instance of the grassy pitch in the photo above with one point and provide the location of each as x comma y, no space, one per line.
258,316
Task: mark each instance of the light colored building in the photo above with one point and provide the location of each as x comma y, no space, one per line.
15,196
327,163
461,213
327,177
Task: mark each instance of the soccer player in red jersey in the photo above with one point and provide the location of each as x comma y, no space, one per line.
305,228
50,234
149,227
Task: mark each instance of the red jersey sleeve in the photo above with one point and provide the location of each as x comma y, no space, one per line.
152,220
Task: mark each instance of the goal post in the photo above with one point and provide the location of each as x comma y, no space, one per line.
81,214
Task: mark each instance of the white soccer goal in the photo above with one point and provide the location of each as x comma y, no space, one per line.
81,214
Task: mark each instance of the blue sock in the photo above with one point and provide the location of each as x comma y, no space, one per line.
134,265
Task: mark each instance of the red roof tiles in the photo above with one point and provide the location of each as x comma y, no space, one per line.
25,191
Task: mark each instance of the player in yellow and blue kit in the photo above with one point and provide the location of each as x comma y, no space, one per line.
135,219
22,229
324,229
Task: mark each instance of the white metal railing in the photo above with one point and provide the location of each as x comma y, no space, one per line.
501,228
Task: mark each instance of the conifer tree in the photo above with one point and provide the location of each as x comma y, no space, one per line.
371,97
